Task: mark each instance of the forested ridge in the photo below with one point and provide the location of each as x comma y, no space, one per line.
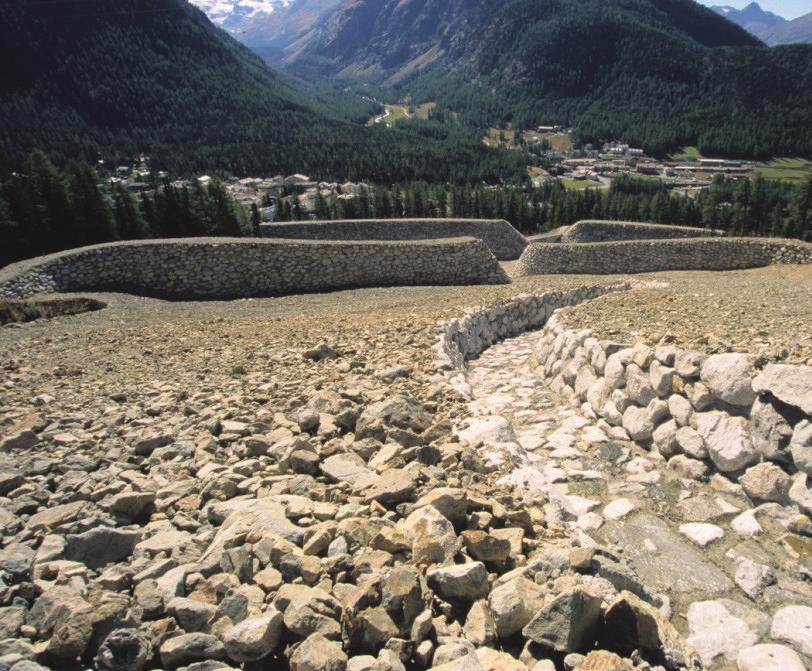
85,79
655,73
747,208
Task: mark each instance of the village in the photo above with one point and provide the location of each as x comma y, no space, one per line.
592,166
296,195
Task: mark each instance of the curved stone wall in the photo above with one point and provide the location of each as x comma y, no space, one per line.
700,412
614,231
644,256
504,241
209,268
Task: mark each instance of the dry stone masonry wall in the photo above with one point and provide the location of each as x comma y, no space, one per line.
644,256
700,412
504,241
208,268
613,231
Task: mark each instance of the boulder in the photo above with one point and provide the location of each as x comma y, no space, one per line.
769,657
124,650
720,629
461,582
190,648
402,412
638,423
638,385
790,384
793,624
765,482
450,501
729,378
433,538
317,653
485,547
568,623
480,627
801,447
772,428
513,604
727,439
632,624
254,638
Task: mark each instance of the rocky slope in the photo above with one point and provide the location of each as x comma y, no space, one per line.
292,483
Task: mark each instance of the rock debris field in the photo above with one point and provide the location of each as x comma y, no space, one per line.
292,483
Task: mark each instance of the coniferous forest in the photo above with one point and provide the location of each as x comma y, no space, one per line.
44,209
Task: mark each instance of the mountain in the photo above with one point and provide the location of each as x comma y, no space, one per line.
267,27
94,79
797,31
657,73
752,18
234,15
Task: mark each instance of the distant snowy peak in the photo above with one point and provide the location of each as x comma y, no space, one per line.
233,15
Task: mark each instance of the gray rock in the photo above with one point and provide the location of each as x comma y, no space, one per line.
348,467
514,604
765,482
189,648
729,378
801,447
317,653
661,378
790,384
480,627
100,546
689,364
793,624
450,501
568,623
638,385
433,538
727,439
769,657
398,411
124,650
632,624
19,442
720,629
190,614
462,582
638,423
131,504
680,409
691,443
254,638
800,492
772,430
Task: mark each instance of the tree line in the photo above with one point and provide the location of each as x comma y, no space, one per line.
756,207
44,209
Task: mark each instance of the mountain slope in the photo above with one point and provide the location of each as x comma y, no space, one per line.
91,78
752,18
655,72
797,31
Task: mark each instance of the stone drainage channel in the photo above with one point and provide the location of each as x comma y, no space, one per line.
717,566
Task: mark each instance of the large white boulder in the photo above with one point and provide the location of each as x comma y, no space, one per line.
727,439
790,384
730,378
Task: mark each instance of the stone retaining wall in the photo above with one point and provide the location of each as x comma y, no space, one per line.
221,268
701,413
643,256
504,241
467,337
615,231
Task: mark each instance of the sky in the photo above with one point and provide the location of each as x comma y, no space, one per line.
789,9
